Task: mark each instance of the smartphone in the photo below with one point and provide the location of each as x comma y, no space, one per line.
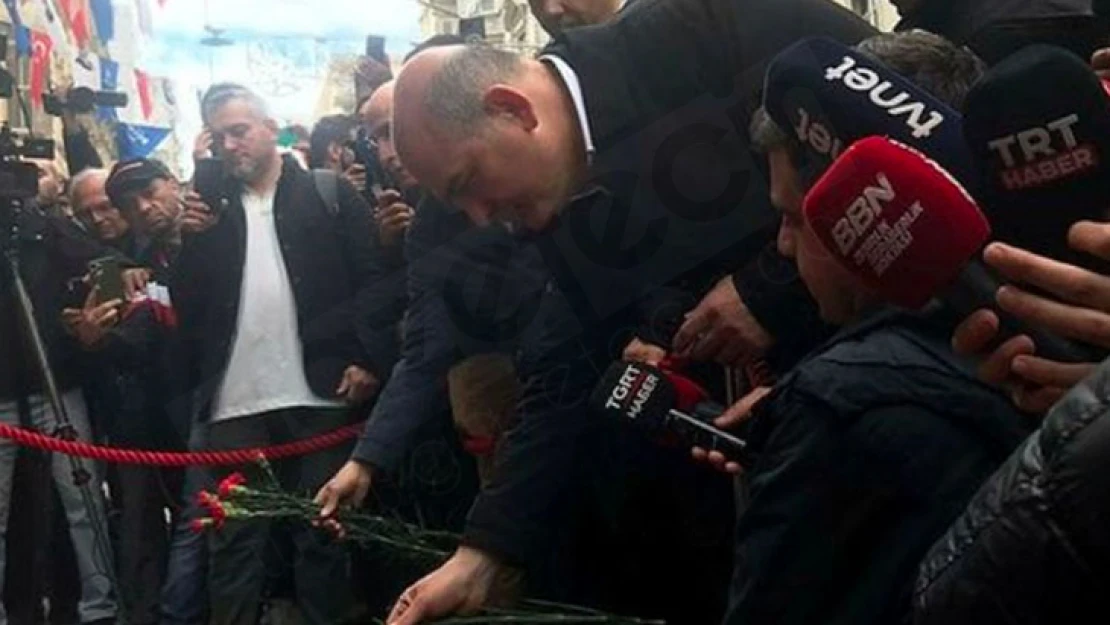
375,49
208,182
107,278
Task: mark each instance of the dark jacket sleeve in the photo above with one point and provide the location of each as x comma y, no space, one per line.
378,282
840,513
416,392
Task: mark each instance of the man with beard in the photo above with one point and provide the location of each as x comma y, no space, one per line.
272,296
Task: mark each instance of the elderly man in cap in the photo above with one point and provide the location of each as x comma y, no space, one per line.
136,350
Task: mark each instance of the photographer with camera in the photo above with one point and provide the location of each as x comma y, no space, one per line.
52,254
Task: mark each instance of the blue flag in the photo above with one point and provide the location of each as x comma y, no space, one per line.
22,33
137,141
109,81
104,19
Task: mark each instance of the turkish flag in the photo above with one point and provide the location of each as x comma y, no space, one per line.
77,14
146,100
41,48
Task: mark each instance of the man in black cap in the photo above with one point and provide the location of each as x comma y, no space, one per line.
138,351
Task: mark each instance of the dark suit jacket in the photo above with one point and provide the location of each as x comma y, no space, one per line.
330,260
669,87
470,291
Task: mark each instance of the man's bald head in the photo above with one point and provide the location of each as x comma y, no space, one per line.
447,85
489,131
377,118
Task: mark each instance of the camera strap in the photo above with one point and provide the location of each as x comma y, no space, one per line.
327,187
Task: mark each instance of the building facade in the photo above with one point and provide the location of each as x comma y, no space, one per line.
509,23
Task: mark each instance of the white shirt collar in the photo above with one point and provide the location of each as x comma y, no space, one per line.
570,79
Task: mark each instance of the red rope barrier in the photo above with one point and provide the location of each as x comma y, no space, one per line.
327,440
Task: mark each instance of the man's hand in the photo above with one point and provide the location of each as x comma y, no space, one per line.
348,487
198,216
91,323
467,582
357,385
356,175
1100,62
736,414
1082,313
393,217
639,351
722,329
134,281
202,146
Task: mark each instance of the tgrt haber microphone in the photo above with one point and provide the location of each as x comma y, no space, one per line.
1038,125
829,96
905,228
663,403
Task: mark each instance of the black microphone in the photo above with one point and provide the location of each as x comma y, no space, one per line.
1038,125
662,403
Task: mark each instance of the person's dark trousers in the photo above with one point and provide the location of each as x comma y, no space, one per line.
145,493
241,552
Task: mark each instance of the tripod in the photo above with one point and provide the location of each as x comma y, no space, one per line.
12,208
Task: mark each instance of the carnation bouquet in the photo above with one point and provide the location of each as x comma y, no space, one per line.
236,499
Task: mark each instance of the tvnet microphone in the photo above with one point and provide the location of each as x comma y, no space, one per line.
906,229
829,96
664,403
1038,125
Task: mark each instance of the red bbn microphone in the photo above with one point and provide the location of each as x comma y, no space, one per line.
906,229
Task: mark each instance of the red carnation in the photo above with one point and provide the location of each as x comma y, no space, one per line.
219,515
230,483
205,499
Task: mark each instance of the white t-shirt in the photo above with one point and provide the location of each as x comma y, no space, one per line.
266,369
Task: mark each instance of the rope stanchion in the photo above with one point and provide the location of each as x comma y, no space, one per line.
327,440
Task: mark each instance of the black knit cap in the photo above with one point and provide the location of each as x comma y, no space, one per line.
133,176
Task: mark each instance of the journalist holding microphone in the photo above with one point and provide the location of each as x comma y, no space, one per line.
1034,538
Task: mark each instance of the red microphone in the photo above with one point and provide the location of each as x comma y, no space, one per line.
907,230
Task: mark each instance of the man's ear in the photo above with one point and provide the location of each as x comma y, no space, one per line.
505,101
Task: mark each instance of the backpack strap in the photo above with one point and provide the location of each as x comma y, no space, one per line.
327,187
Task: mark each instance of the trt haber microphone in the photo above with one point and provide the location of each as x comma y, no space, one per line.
1038,125
907,230
828,96
663,403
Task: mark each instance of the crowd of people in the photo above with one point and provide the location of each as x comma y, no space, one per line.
460,259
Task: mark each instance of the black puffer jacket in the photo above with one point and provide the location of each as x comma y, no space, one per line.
1034,544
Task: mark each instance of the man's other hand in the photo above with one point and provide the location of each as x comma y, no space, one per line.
722,329
1081,312
639,351
356,175
466,583
91,323
202,145
134,282
198,216
357,385
348,487
393,217
736,414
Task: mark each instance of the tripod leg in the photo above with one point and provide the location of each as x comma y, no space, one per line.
95,565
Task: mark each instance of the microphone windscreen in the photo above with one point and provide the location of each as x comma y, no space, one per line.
895,220
828,96
635,392
1038,125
